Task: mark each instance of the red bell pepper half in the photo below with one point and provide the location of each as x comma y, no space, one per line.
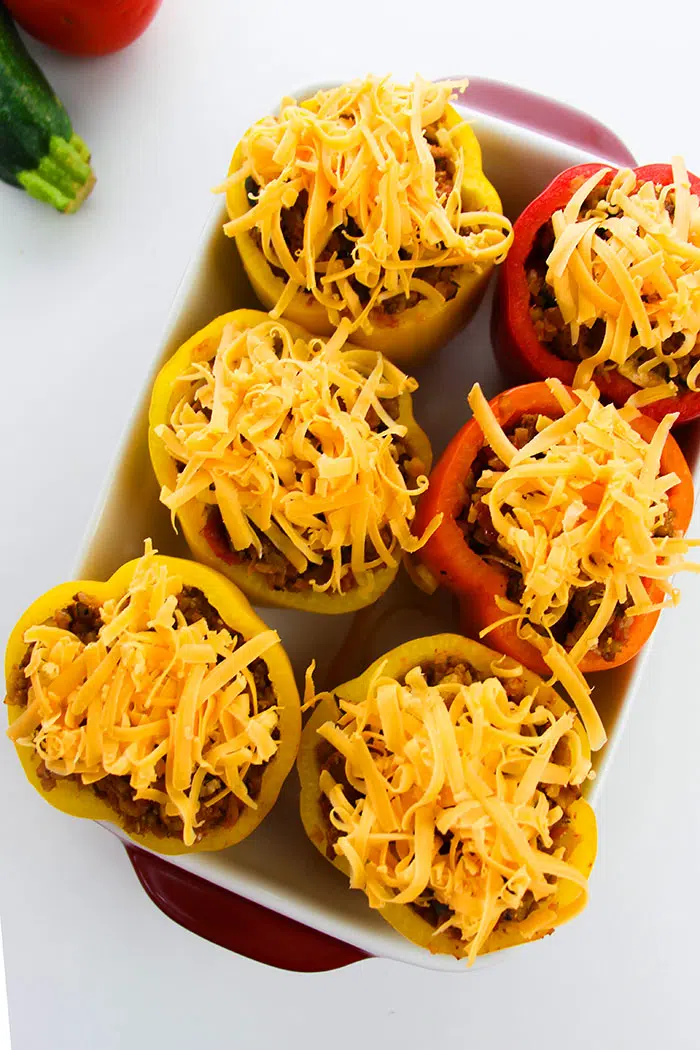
478,583
520,353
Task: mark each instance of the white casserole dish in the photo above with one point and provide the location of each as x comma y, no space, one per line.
277,866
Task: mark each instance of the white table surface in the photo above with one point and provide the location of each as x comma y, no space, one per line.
91,963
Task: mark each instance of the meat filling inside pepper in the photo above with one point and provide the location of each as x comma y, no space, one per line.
448,670
83,618
341,243
281,574
361,199
676,355
475,521
300,457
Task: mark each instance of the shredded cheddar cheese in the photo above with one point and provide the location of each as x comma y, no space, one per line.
364,157
155,699
276,432
632,261
577,507
458,801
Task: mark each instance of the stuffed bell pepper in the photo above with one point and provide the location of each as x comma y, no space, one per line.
291,463
446,783
603,282
367,205
157,701
563,520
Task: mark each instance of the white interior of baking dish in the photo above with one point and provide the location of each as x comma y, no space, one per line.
277,866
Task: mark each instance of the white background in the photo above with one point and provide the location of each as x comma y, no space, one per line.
83,300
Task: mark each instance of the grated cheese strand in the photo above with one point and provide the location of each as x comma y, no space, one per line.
459,764
278,433
360,155
579,507
632,260
166,703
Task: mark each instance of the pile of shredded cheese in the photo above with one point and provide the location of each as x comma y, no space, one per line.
154,699
274,430
360,152
628,262
578,505
458,765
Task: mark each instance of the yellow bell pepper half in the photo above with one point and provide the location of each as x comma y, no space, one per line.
72,796
579,840
193,515
407,338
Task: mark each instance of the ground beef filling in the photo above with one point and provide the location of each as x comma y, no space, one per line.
279,572
484,540
342,241
555,335
450,669
82,618
139,816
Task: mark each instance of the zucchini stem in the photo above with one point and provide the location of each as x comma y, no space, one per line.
63,178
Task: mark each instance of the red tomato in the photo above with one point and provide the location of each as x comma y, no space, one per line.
84,27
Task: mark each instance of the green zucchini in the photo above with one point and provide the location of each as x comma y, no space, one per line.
39,151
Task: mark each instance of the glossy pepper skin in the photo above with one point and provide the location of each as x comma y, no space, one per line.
79,800
407,338
579,841
205,544
521,355
478,583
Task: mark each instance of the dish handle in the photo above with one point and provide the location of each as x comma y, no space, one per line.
242,926
546,116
